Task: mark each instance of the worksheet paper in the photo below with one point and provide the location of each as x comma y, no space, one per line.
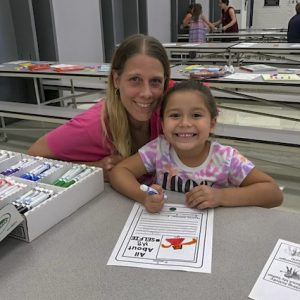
242,76
280,277
244,45
177,238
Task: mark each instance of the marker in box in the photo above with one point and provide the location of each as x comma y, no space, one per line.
83,174
68,176
150,191
35,201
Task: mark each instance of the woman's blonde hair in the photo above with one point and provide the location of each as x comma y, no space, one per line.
115,117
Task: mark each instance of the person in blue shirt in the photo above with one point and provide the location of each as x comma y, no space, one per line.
293,34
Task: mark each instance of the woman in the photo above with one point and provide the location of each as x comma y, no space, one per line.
117,126
228,20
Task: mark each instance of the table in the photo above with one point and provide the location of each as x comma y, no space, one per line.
233,52
250,35
69,261
182,51
12,69
289,52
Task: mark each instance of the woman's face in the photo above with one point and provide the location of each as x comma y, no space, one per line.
221,4
141,85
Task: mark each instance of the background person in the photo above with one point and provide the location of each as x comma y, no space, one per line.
185,160
184,27
119,125
198,25
228,18
293,34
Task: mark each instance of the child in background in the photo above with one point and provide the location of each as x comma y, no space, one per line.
186,20
198,25
185,160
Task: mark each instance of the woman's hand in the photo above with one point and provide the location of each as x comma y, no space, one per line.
154,203
203,196
107,163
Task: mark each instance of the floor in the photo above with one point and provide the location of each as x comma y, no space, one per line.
281,162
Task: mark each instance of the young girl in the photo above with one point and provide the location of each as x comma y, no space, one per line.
186,161
198,25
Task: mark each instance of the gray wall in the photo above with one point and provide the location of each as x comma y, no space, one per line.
78,30
11,49
8,49
159,19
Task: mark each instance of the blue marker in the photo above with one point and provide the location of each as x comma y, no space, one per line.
150,191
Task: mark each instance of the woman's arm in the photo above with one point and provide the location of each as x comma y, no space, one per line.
209,24
41,148
257,189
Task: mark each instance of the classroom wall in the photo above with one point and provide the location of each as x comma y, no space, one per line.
205,7
8,48
273,16
159,19
11,89
78,30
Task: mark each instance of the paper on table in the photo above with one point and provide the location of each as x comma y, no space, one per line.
280,277
244,45
190,45
280,77
17,62
242,76
177,238
169,44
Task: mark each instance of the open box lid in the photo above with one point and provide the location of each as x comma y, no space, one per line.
10,218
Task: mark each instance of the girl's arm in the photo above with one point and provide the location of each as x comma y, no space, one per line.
217,23
209,24
123,178
233,19
257,189
187,20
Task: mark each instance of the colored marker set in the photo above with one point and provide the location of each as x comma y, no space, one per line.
22,164
41,171
8,187
4,155
32,199
75,174
37,193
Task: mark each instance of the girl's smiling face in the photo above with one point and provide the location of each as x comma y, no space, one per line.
187,122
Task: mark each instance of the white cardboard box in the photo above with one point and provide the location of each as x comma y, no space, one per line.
36,221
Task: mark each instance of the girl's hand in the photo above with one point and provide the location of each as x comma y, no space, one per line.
202,197
154,203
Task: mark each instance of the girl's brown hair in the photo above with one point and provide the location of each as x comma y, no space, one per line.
192,85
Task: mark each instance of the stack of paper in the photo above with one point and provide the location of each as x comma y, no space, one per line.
258,68
280,77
